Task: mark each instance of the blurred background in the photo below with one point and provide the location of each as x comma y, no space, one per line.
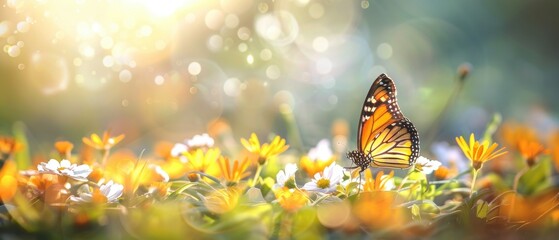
169,69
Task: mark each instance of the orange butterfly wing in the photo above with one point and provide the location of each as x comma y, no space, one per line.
385,136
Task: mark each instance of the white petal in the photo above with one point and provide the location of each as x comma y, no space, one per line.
65,163
321,152
178,149
317,176
310,186
52,165
160,172
290,169
76,199
281,177
422,160
82,170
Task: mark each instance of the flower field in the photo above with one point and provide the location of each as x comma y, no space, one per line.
245,119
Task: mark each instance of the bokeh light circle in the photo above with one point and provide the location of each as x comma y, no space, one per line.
49,73
280,28
194,68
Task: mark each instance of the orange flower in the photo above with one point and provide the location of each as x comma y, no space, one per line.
291,199
554,143
218,127
477,152
530,150
87,155
105,143
383,205
96,174
163,149
520,208
442,173
8,146
64,148
513,133
42,182
233,174
380,183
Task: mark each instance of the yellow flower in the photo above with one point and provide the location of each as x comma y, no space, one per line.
223,200
291,199
8,181
124,168
233,174
530,150
105,143
477,152
380,183
312,167
202,161
317,159
264,151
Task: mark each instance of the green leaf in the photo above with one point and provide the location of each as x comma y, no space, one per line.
482,209
181,189
537,178
254,196
21,157
492,127
415,210
267,185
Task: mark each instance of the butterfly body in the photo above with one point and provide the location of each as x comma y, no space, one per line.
385,137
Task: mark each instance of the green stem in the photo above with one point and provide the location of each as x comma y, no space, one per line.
105,153
256,175
517,179
434,128
515,188
473,182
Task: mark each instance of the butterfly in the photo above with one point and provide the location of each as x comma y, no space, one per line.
385,138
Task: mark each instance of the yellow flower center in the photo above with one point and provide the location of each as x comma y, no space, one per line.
323,183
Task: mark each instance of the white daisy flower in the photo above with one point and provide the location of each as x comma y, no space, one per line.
326,181
65,168
200,141
321,152
178,149
106,193
286,178
426,166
